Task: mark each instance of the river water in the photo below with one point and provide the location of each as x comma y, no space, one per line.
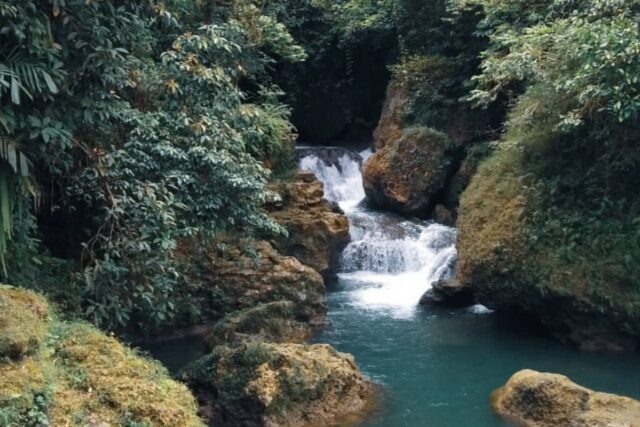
435,367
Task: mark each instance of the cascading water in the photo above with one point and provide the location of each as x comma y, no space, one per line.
390,261
437,368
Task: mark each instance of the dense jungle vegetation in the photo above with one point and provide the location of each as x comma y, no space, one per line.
129,127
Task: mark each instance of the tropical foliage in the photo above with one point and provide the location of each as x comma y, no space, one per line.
144,123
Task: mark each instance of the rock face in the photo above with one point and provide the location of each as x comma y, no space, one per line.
243,281
318,231
535,399
390,125
409,175
508,271
62,374
259,384
449,294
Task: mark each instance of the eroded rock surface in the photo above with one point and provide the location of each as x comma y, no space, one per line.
318,230
410,175
535,399
246,276
449,294
266,384
270,322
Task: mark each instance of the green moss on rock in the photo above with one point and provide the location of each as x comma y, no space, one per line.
71,374
410,175
553,235
265,384
272,322
24,322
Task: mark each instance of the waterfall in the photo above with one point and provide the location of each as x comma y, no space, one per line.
390,261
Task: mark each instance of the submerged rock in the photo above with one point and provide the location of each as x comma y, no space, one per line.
259,384
410,174
536,399
318,230
62,374
448,293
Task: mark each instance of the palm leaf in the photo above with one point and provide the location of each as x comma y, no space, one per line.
15,181
23,76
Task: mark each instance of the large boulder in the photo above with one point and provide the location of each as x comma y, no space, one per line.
260,384
61,374
448,293
535,399
524,250
409,175
317,230
246,274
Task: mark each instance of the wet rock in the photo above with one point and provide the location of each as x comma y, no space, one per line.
259,384
444,216
535,399
246,274
318,230
409,175
448,293
271,322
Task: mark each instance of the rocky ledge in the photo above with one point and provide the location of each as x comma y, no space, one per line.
247,274
535,399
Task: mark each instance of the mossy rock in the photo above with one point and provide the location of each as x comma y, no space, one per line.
266,384
24,322
410,175
271,322
71,374
534,238
536,399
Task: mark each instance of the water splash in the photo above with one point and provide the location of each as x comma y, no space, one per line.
391,262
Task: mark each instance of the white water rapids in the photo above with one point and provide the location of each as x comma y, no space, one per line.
391,262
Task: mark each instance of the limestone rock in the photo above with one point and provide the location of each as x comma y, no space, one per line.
318,230
535,399
408,175
244,280
259,384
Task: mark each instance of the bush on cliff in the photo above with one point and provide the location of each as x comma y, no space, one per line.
550,222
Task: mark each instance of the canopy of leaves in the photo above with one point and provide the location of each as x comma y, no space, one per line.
151,122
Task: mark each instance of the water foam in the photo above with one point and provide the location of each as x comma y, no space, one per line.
391,262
